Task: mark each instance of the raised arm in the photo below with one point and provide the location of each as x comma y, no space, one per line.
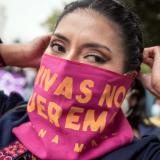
151,56
24,55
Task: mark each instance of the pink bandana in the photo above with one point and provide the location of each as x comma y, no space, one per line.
75,111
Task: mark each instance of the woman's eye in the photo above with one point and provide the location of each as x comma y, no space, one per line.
95,59
57,48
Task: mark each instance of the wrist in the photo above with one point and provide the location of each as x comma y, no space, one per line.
12,54
2,62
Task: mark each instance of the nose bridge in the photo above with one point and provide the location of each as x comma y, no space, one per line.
75,48
71,54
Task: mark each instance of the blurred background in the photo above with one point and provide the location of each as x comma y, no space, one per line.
22,20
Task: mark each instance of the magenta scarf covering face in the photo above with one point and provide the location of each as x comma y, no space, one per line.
74,111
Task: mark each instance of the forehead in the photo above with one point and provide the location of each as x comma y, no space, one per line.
89,23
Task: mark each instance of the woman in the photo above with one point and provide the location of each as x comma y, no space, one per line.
74,112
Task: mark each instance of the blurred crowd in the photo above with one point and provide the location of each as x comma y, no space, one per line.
14,79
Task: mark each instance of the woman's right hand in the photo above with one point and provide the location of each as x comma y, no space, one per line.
151,57
25,55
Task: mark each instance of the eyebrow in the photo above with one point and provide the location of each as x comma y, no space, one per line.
61,37
96,45
89,45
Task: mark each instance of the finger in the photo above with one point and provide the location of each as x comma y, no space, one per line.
148,61
146,81
46,39
156,70
149,50
40,43
149,53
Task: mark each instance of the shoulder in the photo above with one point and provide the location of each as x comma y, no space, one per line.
13,118
147,148
9,102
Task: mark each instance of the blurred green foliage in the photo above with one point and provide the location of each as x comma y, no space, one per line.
149,12
145,68
51,20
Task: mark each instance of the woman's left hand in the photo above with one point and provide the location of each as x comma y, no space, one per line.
151,57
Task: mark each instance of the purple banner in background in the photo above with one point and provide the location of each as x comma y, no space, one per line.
10,82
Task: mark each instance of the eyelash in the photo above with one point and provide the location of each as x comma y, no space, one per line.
98,58
60,46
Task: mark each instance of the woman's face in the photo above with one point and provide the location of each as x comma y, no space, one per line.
88,37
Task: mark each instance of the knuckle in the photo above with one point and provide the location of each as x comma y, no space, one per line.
156,85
